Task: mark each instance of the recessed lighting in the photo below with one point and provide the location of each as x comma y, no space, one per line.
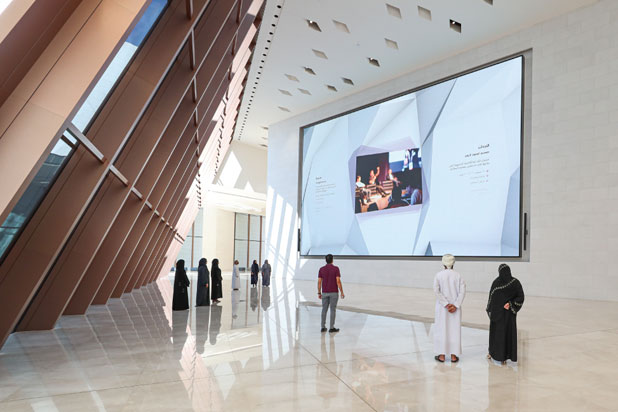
292,78
424,13
391,44
393,11
285,109
313,25
285,92
347,81
309,70
341,26
304,91
490,2
331,88
456,26
373,61
320,54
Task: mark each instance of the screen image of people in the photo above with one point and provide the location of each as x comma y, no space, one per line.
425,173
388,181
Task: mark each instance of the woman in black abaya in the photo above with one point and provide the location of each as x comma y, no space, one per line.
181,282
202,297
255,270
506,298
215,274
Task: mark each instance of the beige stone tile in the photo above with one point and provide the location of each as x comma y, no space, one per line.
135,354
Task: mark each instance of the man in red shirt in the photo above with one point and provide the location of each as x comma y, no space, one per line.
329,283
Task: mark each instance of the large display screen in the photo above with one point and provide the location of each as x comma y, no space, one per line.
429,172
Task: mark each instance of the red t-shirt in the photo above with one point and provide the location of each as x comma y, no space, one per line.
329,275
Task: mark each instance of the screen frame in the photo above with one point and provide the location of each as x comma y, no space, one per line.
524,160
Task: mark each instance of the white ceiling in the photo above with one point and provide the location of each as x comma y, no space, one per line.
370,23
235,200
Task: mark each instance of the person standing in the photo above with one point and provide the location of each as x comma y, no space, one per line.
202,297
235,276
329,284
180,301
255,270
506,298
266,269
216,278
450,290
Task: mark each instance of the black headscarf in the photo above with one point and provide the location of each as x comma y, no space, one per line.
505,288
215,264
202,262
181,279
180,266
504,273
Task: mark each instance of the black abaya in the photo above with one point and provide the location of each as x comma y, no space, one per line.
215,274
181,282
255,270
503,322
202,297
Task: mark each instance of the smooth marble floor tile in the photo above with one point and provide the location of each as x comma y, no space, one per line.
261,350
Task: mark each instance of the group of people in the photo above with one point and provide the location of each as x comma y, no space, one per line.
506,298
209,288
255,271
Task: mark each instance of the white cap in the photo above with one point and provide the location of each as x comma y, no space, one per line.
448,260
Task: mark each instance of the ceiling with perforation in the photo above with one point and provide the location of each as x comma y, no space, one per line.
312,52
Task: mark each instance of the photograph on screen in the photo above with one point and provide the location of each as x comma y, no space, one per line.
427,172
386,181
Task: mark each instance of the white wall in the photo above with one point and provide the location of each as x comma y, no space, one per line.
574,164
244,168
218,236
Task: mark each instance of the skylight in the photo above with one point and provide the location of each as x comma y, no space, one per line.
4,4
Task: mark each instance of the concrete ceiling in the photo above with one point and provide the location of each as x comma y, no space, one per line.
402,35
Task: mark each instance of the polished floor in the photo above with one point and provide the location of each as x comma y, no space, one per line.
261,350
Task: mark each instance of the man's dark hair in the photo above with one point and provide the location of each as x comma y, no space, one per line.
329,258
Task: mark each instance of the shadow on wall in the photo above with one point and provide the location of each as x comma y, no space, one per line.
281,235
244,168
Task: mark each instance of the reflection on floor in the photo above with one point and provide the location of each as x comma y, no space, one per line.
261,349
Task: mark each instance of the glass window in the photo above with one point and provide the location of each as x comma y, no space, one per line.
242,226
33,195
240,252
118,64
255,227
254,252
4,4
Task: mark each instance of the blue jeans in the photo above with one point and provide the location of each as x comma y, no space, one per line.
329,299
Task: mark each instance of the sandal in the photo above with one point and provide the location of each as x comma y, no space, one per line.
454,360
437,357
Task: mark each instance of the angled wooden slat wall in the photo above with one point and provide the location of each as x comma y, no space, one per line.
108,209
39,123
